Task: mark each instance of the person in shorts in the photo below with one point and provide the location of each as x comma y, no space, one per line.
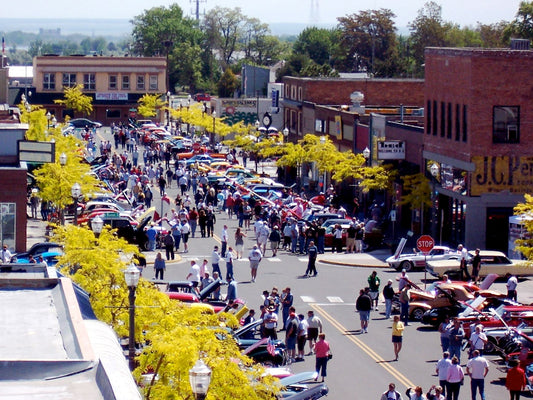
314,327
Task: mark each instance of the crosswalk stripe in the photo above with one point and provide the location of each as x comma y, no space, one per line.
334,299
307,299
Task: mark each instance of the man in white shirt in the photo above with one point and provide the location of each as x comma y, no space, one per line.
477,368
185,229
224,240
512,283
194,274
255,257
6,255
215,260
442,370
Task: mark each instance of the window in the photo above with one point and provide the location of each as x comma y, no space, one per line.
140,82
449,122
153,82
465,123
113,85
89,82
506,124
429,117
434,124
125,82
442,118
457,122
49,81
112,113
69,80
8,218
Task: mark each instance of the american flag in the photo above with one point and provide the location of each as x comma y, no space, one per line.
166,198
271,348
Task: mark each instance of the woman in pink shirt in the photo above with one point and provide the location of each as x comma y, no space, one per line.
322,352
454,378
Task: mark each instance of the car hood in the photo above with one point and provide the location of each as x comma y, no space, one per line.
205,292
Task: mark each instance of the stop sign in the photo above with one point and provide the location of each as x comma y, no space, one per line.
425,243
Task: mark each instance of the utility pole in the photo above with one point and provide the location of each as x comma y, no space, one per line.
197,8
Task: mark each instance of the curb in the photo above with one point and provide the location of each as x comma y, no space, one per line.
353,265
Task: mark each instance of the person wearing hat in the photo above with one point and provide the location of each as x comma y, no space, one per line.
388,295
255,257
275,238
270,322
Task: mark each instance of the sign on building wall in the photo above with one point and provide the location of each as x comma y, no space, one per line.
111,96
338,127
391,150
497,174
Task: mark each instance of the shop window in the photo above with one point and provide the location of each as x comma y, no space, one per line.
112,114
89,81
7,219
506,124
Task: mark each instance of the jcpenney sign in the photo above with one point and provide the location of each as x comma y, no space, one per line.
391,150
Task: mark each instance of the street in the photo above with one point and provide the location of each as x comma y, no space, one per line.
363,365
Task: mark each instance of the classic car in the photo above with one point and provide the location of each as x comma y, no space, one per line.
50,257
511,315
492,262
184,291
38,248
418,260
84,122
446,296
302,386
497,336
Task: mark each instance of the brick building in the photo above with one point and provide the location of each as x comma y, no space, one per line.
114,83
479,127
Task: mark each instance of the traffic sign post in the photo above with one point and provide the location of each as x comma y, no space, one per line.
425,243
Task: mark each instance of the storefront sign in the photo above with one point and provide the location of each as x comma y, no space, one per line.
107,96
391,150
497,174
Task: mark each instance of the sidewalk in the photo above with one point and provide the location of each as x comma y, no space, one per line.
374,259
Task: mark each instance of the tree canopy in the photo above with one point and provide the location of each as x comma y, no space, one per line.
75,100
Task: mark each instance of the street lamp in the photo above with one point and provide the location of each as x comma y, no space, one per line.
323,142
214,114
48,116
97,224
366,153
75,191
63,159
286,133
200,378
131,275
54,121
434,170
62,162
168,109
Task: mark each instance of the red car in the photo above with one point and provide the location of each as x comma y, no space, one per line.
512,315
202,97
184,291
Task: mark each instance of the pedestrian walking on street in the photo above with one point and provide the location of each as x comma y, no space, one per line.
314,328
463,253
302,337
477,340
224,240
391,393
229,264
323,355
311,264
442,371
168,241
476,267
373,284
516,380
512,283
239,242
363,305
287,300
444,330
456,334
159,267
477,368
215,260
275,238
404,304
270,322
185,229
388,294
397,336
254,257
455,379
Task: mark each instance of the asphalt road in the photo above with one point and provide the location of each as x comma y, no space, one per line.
363,364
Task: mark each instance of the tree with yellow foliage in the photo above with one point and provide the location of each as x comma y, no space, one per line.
417,194
525,246
149,104
76,100
174,335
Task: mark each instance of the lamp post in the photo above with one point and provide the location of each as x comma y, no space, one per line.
54,121
214,114
75,191
200,378
62,162
286,134
323,142
366,154
168,110
131,275
434,170
48,117
97,224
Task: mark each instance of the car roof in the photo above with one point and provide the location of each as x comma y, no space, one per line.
488,253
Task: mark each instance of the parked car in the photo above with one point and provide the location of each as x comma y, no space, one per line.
497,336
202,97
329,225
84,122
126,230
445,296
418,260
492,262
36,249
302,386
184,291
50,257
512,315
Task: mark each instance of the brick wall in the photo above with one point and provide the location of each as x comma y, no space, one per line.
13,190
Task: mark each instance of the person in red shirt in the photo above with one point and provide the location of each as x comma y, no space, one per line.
515,381
322,352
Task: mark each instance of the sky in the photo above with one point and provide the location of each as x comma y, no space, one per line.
462,12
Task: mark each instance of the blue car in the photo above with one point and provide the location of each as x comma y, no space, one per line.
49,256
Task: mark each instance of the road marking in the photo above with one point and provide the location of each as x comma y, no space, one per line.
359,343
274,259
334,299
307,299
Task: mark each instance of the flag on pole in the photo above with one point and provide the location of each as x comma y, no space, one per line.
271,347
3,45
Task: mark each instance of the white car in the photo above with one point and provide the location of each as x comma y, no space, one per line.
418,260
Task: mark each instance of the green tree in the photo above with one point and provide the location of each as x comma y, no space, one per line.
368,41
417,195
492,35
427,30
224,30
76,100
228,84
316,43
522,25
161,31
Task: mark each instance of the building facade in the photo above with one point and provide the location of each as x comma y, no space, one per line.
115,84
478,131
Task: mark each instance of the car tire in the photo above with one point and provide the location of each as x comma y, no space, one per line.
407,265
490,346
417,313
